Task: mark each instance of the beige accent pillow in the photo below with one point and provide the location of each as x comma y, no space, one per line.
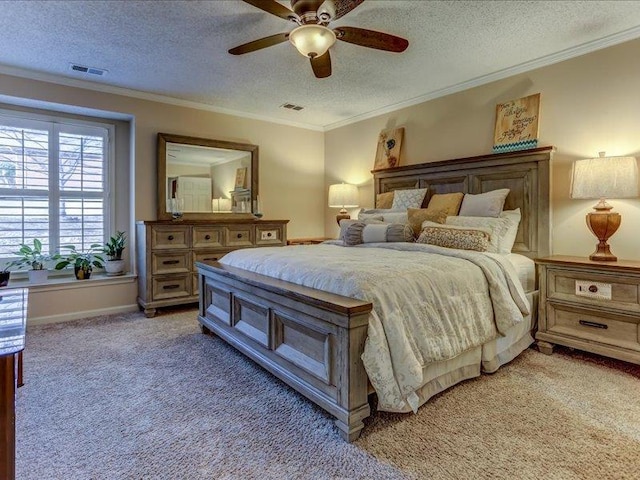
418,215
450,202
487,204
384,200
456,237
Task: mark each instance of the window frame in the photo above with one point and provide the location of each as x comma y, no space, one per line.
55,124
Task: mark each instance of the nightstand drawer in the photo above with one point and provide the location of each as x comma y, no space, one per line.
624,292
591,325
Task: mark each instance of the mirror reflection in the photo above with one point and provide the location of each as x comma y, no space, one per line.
205,179
200,177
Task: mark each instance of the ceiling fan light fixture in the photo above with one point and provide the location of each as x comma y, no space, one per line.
312,40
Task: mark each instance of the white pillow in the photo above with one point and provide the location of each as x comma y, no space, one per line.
487,204
408,198
503,229
386,215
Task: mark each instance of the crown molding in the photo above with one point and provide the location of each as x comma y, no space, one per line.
567,54
99,87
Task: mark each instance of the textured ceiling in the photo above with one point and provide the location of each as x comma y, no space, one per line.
178,49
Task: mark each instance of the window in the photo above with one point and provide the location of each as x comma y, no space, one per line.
53,183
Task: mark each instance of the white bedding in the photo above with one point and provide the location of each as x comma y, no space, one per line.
430,304
525,269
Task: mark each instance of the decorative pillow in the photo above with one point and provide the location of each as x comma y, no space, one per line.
418,215
408,198
450,202
503,229
462,238
487,204
390,215
345,222
384,200
361,232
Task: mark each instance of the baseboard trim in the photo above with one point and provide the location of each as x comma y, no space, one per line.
67,317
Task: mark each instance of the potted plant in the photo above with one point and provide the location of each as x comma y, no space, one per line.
113,250
83,262
34,258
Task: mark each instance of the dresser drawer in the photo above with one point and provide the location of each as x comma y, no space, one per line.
208,257
604,328
208,237
165,262
625,295
240,236
269,235
175,286
165,237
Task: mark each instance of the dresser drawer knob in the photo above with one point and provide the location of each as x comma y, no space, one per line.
170,262
269,234
587,323
239,235
593,288
207,237
170,237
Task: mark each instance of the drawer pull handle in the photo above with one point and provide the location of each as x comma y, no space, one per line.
239,235
170,237
587,323
213,259
207,237
170,262
171,287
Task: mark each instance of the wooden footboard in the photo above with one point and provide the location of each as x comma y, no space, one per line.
310,339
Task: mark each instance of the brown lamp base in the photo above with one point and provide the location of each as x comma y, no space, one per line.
342,216
603,224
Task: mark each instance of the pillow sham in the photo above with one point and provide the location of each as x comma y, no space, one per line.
388,215
503,229
462,238
361,232
384,200
450,202
487,204
408,198
416,216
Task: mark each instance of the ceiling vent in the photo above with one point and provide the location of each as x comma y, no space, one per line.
81,69
291,106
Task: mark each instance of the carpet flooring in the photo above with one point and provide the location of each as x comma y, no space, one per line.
127,397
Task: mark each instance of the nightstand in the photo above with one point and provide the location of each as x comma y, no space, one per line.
590,305
307,241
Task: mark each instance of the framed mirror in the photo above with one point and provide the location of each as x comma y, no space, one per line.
204,179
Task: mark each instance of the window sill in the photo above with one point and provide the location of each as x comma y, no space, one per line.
65,282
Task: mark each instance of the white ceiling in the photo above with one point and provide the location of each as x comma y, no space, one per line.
177,51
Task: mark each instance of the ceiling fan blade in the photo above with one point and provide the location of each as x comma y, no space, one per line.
274,8
321,65
342,7
371,39
260,44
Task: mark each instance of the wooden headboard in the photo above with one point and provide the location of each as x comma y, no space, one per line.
526,173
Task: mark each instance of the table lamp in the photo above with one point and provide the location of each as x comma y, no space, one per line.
604,177
343,196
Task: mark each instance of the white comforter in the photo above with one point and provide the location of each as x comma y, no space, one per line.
429,303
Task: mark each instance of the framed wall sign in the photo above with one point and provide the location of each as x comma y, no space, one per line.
389,145
517,124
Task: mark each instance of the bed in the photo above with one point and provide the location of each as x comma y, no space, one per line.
318,341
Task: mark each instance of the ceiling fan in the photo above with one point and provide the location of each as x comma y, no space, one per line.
312,37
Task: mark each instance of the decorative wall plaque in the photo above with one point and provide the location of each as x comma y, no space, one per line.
517,124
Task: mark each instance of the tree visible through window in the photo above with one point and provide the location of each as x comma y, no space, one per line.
53,184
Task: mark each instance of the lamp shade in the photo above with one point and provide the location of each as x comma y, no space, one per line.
605,177
312,40
343,195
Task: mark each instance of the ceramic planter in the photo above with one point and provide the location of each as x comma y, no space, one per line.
38,276
82,273
114,267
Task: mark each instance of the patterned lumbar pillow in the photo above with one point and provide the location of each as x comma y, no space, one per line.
418,215
408,198
455,237
360,232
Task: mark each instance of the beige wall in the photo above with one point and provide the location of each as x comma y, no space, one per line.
589,104
291,171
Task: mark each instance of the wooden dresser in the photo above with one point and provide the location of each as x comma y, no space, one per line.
167,251
589,305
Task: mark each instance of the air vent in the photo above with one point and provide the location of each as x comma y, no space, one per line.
74,67
291,106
